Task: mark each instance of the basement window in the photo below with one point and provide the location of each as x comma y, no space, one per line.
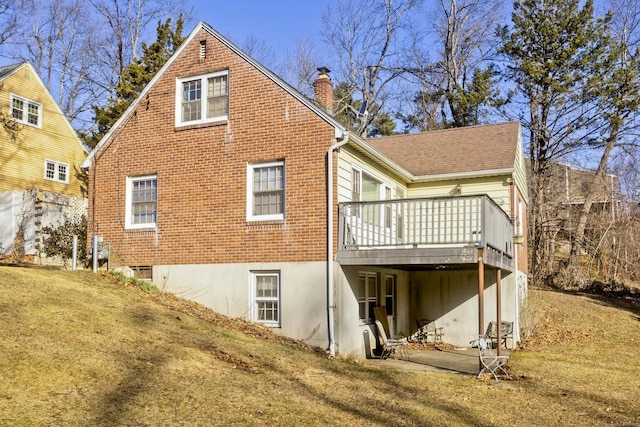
265,291
143,272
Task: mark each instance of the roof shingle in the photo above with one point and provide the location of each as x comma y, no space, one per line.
8,69
458,150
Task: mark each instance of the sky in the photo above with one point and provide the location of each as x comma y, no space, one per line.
278,23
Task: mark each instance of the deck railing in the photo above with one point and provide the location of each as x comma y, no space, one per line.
425,222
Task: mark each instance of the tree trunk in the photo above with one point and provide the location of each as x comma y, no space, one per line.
599,184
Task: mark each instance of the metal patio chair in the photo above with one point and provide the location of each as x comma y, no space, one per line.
426,329
505,333
491,363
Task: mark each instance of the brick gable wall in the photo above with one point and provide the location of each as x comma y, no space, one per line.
202,172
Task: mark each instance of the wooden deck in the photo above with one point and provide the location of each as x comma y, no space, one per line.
425,232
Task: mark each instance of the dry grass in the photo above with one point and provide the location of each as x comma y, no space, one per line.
78,350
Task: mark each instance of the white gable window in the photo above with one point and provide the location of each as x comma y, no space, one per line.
202,99
56,171
265,191
265,291
142,202
26,111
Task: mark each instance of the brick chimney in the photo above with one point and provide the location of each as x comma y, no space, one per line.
323,89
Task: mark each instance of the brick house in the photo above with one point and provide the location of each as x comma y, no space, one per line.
254,201
38,182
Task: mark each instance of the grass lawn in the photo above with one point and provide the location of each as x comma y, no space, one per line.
78,349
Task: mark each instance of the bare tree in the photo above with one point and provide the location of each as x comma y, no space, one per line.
127,23
8,19
365,39
301,65
260,50
54,38
80,48
455,78
616,89
466,32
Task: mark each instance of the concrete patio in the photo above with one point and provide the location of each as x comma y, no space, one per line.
462,361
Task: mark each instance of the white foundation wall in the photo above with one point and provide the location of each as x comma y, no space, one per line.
451,299
226,289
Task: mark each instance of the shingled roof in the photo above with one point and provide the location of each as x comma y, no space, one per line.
8,69
449,151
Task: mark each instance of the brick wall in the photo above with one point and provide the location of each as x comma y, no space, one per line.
521,249
202,172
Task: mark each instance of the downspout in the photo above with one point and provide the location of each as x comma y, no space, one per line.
330,282
518,220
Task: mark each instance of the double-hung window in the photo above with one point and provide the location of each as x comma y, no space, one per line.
56,171
266,297
367,295
202,99
26,111
142,202
265,191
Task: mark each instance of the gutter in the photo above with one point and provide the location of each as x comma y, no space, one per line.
330,279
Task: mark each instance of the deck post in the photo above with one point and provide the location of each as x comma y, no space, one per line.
480,292
499,308
480,298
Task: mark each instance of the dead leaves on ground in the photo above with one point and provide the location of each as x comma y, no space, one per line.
201,312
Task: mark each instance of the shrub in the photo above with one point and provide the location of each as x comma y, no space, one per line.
59,240
143,285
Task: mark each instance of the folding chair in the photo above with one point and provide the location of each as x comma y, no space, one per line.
427,328
491,363
389,346
506,333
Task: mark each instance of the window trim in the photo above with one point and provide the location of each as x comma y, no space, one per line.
57,172
203,99
273,217
255,299
25,110
128,203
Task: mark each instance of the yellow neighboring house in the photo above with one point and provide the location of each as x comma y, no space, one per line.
38,164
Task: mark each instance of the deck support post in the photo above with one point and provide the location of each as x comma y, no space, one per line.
480,297
499,308
480,292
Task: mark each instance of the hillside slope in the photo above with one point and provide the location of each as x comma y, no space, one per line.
79,350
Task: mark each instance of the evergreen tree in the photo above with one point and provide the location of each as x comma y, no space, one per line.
134,78
468,104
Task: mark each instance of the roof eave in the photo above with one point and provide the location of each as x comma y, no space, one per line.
381,158
464,175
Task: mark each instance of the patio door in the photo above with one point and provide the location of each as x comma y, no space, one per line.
390,301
